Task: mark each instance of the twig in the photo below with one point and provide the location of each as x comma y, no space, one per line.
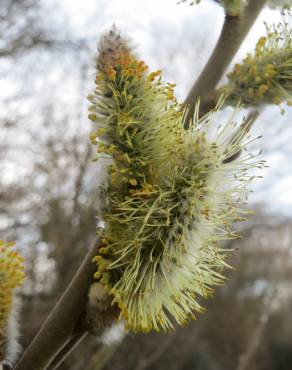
79,180
145,363
269,309
67,349
102,356
233,33
245,359
59,326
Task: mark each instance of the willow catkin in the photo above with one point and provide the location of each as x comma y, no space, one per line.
11,276
170,197
264,77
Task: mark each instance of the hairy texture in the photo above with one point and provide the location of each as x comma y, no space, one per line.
13,346
11,276
266,76
100,315
170,197
114,334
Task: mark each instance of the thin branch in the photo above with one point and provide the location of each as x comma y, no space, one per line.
269,309
65,352
59,327
148,361
79,179
233,33
102,356
254,343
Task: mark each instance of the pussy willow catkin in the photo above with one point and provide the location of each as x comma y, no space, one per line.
170,198
266,76
11,276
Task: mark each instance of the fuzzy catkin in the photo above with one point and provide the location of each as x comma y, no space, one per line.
264,77
170,197
11,276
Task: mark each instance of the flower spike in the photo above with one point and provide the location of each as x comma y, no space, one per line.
170,198
265,77
11,276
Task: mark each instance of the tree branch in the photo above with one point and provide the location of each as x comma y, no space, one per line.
233,33
67,349
102,356
59,327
